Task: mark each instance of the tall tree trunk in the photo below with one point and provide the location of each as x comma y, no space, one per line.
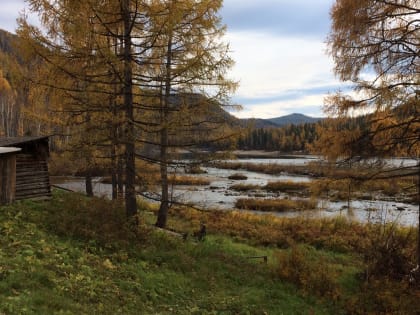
113,171
130,170
164,203
120,178
88,160
418,215
88,183
114,132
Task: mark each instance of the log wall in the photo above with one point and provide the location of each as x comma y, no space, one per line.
7,178
32,178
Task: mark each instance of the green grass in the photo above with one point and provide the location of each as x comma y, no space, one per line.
74,255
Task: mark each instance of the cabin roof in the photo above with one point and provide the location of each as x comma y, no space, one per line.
14,141
4,150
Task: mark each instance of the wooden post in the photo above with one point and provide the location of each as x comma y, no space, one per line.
7,175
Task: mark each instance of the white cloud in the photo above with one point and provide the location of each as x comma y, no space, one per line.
266,64
272,66
310,105
280,69
10,11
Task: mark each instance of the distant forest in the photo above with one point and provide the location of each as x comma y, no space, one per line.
288,138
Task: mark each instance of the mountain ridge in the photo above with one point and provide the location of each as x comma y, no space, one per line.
290,119
295,119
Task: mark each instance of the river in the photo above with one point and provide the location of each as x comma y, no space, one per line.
218,195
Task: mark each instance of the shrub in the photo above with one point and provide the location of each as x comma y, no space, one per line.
92,219
384,297
390,252
309,272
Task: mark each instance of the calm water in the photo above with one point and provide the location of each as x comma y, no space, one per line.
217,194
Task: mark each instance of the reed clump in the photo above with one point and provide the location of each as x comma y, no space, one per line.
275,205
238,176
287,186
188,180
244,187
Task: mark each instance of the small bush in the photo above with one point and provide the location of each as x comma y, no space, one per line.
92,219
144,205
384,296
309,272
390,252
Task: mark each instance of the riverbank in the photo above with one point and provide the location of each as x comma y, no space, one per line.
77,255
259,154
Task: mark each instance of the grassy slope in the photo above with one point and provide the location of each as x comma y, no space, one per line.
75,255
70,256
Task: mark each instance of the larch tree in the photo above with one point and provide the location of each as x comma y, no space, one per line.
128,68
91,49
8,111
375,45
188,65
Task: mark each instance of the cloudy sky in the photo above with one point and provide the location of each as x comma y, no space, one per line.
279,50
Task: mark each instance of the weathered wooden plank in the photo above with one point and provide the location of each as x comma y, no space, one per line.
32,175
30,192
33,196
36,177
32,178
33,185
44,182
32,167
7,178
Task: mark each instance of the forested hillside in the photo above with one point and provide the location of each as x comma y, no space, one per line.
24,108
286,139
11,96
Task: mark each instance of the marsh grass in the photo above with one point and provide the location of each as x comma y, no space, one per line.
237,176
287,186
343,189
262,168
245,187
194,169
188,180
56,259
174,179
275,205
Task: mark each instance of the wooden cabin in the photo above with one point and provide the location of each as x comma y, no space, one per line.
24,168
